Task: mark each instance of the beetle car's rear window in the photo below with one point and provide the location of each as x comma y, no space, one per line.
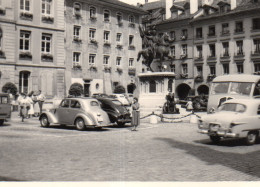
94,103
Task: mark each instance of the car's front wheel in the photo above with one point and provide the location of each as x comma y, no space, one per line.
215,139
80,124
251,138
44,121
120,124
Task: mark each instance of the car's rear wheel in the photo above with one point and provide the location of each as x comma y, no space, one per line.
80,124
2,121
44,121
251,138
215,139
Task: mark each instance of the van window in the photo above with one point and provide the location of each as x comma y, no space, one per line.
241,88
219,88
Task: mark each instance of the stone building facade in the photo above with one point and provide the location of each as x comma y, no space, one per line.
102,43
32,45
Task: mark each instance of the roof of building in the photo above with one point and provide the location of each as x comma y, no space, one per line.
154,5
123,5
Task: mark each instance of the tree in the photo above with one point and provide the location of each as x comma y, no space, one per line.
76,89
119,89
10,86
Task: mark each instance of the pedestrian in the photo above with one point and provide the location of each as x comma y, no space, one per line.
36,107
40,99
189,106
135,114
24,106
20,96
30,100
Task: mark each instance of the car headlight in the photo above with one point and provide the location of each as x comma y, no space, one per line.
212,110
200,124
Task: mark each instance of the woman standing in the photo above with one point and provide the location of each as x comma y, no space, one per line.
24,106
30,100
135,114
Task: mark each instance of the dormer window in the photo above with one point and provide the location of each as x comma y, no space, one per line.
92,12
212,31
106,15
77,9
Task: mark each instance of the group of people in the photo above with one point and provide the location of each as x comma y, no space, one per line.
30,104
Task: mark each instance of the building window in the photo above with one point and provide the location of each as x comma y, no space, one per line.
257,67
199,71
226,68
184,49
76,58
199,51
92,12
131,19
24,77
106,15
92,34
212,50
92,59
152,86
256,49
225,48
76,32
256,23
212,70
239,26
212,31
131,62
118,38
77,9
25,40
131,40
119,17
199,33
172,34
184,34
106,36
172,51
172,67
184,68
239,45
118,61
25,5
106,60
46,43
46,7
240,68
225,28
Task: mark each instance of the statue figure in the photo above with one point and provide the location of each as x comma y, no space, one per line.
154,47
169,106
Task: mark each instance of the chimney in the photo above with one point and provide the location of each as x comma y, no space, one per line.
233,4
168,6
194,5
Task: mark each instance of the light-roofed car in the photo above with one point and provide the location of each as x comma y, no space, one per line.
235,118
80,112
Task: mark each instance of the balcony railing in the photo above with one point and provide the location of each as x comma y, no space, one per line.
239,31
239,55
225,56
199,58
255,54
25,55
76,66
211,35
184,37
132,71
212,57
225,33
199,78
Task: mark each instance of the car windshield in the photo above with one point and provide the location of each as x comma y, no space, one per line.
117,102
233,107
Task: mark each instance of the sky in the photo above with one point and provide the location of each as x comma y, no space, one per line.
133,2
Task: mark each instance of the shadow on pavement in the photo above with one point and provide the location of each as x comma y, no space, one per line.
6,124
8,179
248,163
226,142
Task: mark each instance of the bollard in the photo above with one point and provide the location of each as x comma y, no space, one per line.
153,119
193,119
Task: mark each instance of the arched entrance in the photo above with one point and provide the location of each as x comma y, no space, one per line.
203,89
183,91
131,88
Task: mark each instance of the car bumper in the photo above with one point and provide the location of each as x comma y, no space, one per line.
218,133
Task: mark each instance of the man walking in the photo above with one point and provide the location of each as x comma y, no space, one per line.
40,99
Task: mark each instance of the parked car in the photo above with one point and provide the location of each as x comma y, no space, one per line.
116,111
99,95
80,112
122,98
5,107
236,118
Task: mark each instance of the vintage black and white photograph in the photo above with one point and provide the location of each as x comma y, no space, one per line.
129,91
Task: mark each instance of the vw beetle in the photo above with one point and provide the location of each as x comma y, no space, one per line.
80,112
235,118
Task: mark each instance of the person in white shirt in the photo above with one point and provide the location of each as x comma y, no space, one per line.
40,99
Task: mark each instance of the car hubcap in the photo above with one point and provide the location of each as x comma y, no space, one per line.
251,137
80,124
44,121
